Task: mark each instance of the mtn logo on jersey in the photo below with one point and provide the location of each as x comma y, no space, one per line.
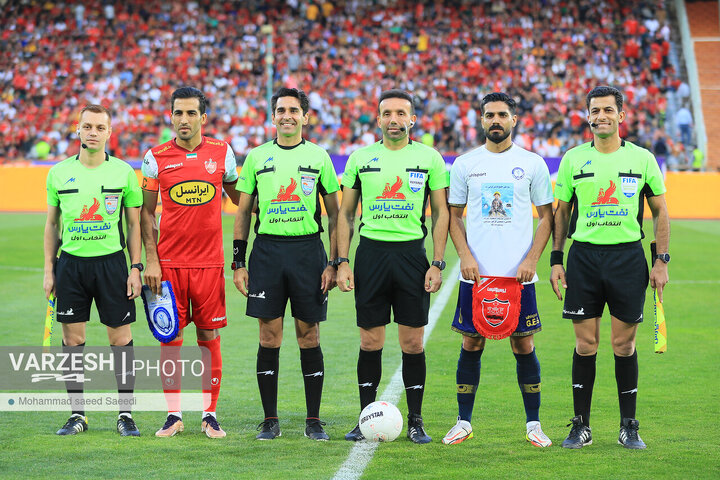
111,203
605,196
89,215
392,192
629,186
192,192
210,166
286,194
416,181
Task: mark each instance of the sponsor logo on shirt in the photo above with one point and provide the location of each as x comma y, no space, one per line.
192,192
285,194
172,165
269,159
69,180
88,213
164,149
392,192
605,196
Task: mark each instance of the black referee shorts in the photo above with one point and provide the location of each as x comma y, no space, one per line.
283,268
599,274
391,274
79,280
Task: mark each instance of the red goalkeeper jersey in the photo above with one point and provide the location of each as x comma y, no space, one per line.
190,185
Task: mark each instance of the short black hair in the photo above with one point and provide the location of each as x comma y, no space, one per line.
397,93
190,92
291,92
499,97
605,91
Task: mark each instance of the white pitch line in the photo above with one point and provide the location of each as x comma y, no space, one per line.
362,452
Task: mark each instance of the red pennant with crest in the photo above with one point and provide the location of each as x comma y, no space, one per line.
496,306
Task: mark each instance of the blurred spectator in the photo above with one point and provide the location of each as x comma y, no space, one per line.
683,120
698,158
130,55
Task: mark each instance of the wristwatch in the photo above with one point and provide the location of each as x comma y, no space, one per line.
340,260
236,265
332,263
439,264
664,257
139,266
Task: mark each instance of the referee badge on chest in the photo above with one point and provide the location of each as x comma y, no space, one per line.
307,183
111,203
629,186
416,181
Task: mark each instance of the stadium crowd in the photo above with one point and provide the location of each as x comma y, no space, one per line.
129,56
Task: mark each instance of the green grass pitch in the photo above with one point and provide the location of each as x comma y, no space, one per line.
678,407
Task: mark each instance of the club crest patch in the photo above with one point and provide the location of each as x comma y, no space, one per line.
416,181
518,173
495,311
111,203
210,166
307,184
629,186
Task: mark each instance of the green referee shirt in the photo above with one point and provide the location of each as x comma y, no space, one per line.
288,182
394,188
607,191
91,201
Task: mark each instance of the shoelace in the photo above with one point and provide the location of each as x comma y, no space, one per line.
127,423
170,421
264,424
316,425
212,421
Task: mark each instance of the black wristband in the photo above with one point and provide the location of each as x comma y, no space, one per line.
239,249
556,257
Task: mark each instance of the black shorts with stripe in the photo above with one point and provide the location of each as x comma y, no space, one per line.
391,274
599,274
79,280
283,268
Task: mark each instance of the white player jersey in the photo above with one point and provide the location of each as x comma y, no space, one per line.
499,190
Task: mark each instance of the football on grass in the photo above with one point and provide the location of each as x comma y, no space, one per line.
381,422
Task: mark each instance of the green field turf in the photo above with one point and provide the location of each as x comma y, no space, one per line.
679,399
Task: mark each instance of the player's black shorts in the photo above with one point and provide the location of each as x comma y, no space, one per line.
599,274
391,274
283,268
79,280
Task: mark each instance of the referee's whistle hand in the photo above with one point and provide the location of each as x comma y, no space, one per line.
345,278
134,285
240,279
328,279
433,279
558,275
